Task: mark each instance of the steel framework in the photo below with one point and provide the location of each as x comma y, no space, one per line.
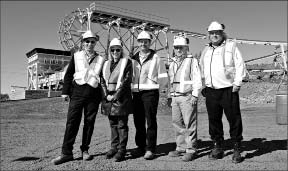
109,22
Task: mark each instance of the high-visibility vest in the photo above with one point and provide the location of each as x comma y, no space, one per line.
113,80
228,51
181,76
85,73
150,75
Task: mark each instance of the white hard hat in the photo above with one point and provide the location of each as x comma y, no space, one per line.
89,34
216,26
180,41
144,35
115,42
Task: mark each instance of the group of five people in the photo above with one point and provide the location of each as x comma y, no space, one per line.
122,82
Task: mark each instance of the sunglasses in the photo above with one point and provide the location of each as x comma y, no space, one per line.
117,50
92,42
215,32
178,47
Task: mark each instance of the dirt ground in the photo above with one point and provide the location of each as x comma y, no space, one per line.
32,134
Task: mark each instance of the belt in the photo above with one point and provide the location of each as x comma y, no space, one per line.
218,88
111,92
176,94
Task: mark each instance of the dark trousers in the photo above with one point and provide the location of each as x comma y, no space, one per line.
119,132
76,107
218,100
145,104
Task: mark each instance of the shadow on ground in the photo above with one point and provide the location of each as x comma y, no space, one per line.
26,158
93,156
258,146
261,146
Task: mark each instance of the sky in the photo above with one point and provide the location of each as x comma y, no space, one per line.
26,25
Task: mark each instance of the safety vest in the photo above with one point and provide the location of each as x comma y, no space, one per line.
85,73
113,80
181,77
228,52
150,75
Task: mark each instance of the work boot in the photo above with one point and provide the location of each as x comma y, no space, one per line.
189,156
217,152
120,156
62,159
138,152
175,153
111,153
86,156
236,158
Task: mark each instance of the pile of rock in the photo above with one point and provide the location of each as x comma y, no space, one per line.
258,92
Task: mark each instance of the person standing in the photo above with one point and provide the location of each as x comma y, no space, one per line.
149,73
117,102
223,70
81,88
185,85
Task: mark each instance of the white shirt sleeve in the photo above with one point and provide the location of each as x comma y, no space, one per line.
240,68
197,80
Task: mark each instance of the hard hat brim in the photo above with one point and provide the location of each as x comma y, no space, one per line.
96,38
144,39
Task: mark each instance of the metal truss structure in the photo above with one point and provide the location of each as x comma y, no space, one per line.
109,22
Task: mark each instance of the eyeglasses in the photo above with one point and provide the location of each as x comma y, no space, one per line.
117,50
217,32
178,47
92,42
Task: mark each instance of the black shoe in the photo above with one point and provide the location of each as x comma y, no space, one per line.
236,158
111,153
119,156
62,159
138,152
217,152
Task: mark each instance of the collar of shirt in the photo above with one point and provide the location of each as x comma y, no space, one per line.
142,57
89,56
113,65
179,61
222,44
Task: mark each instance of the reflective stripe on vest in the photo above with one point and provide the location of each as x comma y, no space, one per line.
146,77
116,75
181,78
85,73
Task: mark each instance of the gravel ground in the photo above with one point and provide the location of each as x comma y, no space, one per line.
32,133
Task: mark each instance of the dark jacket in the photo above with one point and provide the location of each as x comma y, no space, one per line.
136,56
122,103
71,88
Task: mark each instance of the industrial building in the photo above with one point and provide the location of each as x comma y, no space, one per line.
45,73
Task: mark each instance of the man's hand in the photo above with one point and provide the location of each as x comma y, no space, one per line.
194,100
169,101
110,98
235,88
66,97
